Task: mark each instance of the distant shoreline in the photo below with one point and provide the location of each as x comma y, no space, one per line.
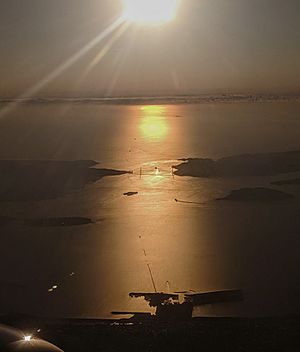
164,100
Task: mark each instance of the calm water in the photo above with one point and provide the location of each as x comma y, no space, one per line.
200,245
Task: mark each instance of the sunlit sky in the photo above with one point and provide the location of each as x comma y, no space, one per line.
48,48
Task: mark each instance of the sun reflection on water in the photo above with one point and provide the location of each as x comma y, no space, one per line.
156,172
154,125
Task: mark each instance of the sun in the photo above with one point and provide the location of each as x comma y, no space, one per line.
150,12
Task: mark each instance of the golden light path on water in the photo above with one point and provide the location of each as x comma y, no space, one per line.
175,239
154,124
150,232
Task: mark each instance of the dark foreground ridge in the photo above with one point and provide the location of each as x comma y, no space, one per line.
201,334
40,180
241,165
257,194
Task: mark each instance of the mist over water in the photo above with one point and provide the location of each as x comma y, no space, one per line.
196,243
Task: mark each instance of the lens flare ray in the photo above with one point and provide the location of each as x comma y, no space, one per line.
105,50
64,66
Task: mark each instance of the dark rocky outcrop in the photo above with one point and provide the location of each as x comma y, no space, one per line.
241,165
40,180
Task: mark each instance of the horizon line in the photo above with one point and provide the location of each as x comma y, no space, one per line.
203,97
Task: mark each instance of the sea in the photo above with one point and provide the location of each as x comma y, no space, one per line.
194,244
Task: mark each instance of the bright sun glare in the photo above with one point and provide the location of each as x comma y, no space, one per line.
153,124
150,11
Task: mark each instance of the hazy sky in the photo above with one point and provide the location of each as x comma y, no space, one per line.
214,45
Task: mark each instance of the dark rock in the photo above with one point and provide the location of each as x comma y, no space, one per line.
41,180
241,165
130,194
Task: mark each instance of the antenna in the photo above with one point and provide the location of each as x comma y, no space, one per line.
149,269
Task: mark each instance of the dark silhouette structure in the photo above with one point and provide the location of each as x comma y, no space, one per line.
178,306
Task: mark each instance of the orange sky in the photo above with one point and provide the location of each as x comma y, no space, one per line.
213,46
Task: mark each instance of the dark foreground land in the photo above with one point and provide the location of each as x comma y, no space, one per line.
200,334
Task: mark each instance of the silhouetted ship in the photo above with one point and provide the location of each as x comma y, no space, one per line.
179,306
